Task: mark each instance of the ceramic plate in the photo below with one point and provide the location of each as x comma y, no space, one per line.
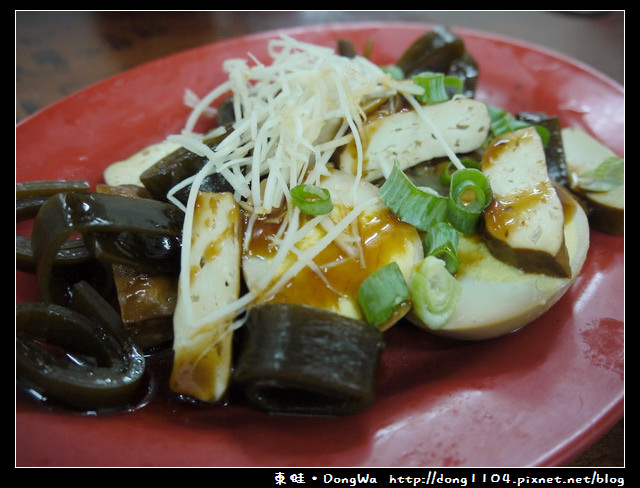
536,397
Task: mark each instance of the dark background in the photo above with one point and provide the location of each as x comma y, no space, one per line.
59,53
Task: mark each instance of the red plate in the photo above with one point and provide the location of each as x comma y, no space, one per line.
536,397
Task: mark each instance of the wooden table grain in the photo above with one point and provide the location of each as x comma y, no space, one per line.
61,52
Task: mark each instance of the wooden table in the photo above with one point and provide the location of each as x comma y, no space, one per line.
59,53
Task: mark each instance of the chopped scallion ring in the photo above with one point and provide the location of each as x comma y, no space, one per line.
608,175
441,241
394,71
312,200
503,122
381,293
445,175
411,204
434,293
469,195
437,86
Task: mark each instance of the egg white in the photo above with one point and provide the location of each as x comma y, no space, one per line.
382,239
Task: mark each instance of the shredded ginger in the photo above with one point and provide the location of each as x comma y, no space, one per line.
290,116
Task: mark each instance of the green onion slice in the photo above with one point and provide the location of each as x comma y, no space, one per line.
434,293
445,175
394,71
469,195
411,204
381,293
438,87
311,199
503,122
544,133
608,175
441,241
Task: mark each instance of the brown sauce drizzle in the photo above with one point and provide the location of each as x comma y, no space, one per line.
342,273
510,211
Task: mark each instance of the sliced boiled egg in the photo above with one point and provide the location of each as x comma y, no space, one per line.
497,298
331,263
505,288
